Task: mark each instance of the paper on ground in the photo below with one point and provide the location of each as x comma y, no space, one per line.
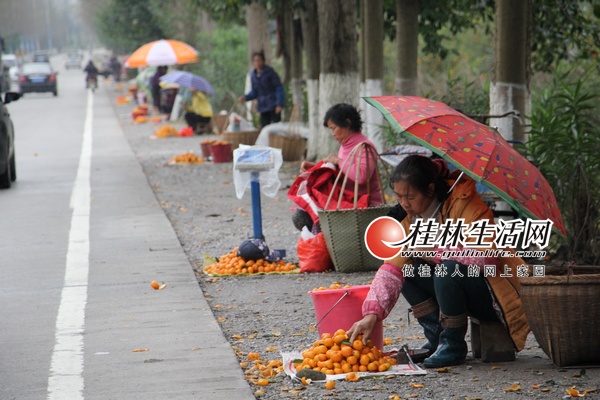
400,369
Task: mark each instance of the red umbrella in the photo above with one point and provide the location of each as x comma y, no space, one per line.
479,151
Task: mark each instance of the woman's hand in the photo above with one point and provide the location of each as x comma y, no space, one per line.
365,327
332,158
305,166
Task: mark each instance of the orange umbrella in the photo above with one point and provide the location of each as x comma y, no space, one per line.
162,52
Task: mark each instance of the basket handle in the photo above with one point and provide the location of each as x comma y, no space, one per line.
346,165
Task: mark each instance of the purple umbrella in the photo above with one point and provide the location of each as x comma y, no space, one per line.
188,80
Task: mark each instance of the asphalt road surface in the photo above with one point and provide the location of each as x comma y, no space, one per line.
81,238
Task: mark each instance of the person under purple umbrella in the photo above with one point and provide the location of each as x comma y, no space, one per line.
198,111
155,87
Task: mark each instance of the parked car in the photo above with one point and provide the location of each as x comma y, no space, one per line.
38,77
12,62
8,170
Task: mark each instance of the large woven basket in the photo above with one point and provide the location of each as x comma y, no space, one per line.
292,146
563,312
344,229
241,137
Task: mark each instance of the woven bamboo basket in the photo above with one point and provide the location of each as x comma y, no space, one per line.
563,312
344,229
292,146
241,137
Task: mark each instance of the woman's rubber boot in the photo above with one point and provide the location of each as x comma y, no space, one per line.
427,314
452,349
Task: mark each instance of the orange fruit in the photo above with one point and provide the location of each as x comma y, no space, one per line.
352,377
321,349
154,285
357,344
330,385
339,338
346,351
336,356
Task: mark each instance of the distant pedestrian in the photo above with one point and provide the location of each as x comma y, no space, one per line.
155,87
115,67
267,89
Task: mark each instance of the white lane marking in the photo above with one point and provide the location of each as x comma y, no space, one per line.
65,380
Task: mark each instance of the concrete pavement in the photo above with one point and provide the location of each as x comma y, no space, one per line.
133,243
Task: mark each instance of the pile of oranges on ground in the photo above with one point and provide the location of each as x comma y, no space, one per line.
140,111
232,264
189,158
334,354
165,131
123,100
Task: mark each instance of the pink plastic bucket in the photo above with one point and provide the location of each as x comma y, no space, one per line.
345,313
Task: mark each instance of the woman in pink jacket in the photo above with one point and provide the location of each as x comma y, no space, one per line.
346,125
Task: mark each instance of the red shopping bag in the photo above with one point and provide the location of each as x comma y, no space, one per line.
313,255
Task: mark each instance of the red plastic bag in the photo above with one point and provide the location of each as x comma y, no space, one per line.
188,131
313,255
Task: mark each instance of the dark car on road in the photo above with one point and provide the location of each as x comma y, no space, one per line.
37,77
8,167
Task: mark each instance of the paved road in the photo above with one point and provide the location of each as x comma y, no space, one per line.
81,237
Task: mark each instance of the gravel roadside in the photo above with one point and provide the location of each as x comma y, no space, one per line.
272,313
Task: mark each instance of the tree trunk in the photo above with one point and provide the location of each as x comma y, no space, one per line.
407,37
509,89
338,79
373,54
310,29
257,22
284,18
363,106
296,65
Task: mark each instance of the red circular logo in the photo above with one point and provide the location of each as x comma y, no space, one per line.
381,234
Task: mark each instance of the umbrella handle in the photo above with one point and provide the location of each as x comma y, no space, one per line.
449,190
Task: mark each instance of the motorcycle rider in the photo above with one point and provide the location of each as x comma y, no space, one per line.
92,74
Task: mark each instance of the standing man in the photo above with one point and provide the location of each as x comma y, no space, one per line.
267,89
